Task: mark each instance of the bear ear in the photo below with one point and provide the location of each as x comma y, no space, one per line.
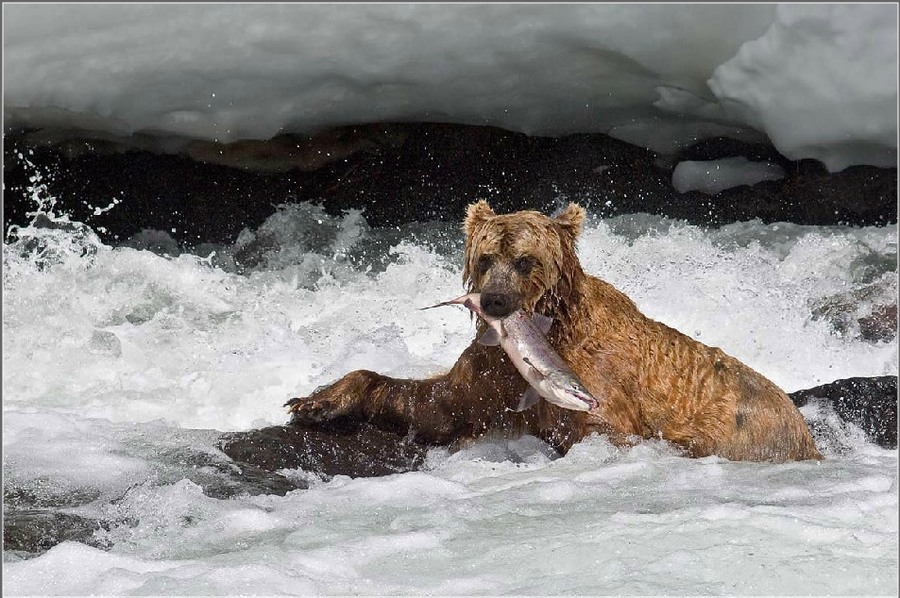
477,213
571,219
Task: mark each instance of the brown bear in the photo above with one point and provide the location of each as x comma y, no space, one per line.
651,381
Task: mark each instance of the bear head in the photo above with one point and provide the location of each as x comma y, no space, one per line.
523,260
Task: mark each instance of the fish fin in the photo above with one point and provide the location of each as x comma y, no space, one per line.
542,322
490,338
529,398
534,371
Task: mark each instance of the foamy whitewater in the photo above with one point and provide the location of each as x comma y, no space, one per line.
116,360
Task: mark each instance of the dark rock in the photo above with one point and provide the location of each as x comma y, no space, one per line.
441,168
252,481
870,403
400,173
34,531
287,152
718,148
880,325
859,195
281,153
330,450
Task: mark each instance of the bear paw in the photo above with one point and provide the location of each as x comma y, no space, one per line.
309,409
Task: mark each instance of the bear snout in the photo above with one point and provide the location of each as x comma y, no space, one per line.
499,305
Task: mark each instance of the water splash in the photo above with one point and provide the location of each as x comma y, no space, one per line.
118,362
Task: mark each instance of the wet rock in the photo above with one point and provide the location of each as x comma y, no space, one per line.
253,481
718,148
45,494
869,312
33,531
330,450
35,518
870,403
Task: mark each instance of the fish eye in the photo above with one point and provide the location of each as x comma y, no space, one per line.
524,264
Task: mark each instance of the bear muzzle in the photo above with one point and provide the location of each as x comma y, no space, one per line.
500,304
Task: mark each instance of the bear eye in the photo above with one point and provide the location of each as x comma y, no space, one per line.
484,263
524,264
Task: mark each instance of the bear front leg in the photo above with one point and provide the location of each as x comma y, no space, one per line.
470,398
344,398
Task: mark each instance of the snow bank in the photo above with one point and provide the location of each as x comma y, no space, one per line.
822,82
229,72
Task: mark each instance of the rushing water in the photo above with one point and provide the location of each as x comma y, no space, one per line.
115,359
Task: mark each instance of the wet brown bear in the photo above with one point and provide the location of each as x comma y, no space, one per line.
651,380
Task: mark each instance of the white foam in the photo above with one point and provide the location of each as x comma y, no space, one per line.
203,347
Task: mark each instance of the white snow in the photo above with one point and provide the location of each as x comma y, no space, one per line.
821,81
714,176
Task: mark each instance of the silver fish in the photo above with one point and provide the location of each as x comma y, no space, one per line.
523,338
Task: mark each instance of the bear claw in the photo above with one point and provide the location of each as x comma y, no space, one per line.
314,410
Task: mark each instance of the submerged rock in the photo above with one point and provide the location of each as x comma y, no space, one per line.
30,532
868,312
104,342
37,511
356,452
220,477
255,462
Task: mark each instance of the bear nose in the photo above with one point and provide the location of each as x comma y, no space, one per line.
497,305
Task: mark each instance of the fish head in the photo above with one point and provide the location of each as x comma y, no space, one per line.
520,260
569,393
